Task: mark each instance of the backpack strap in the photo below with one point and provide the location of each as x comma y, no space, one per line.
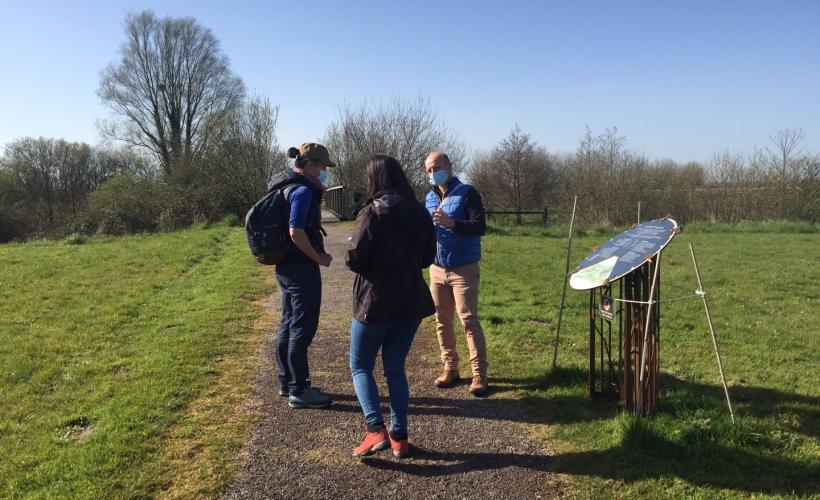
286,190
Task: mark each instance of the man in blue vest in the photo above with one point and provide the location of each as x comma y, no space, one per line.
458,215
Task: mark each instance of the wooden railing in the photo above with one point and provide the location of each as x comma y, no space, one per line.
341,200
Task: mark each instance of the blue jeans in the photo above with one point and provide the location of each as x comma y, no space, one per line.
394,340
301,285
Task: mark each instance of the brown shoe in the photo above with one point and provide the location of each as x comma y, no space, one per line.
479,385
447,379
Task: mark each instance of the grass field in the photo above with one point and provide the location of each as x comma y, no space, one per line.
123,362
762,284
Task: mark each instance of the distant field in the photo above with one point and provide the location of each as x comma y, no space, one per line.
123,361
762,280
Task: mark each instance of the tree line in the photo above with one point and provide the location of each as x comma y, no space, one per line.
778,181
194,146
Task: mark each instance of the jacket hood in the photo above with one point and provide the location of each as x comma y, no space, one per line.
384,203
393,206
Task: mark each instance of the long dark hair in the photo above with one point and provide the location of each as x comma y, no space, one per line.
385,175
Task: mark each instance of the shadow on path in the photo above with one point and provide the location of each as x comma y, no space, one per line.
448,463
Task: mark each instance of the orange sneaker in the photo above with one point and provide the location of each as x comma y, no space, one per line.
401,448
373,442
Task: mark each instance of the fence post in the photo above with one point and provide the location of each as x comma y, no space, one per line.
546,217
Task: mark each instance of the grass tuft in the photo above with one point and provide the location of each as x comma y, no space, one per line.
75,239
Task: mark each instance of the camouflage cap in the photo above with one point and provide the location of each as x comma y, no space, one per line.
316,152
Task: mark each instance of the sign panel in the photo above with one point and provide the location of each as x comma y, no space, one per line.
623,254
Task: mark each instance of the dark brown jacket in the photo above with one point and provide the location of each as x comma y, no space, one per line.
392,242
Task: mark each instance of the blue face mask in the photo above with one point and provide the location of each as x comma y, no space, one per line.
438,178
323,176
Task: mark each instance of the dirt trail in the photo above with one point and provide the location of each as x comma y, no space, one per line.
462,447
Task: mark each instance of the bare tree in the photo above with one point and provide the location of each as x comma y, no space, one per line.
484,176
727,179
171,85
246,154
75,178
784,152
52,179
408,130
11,217
611,152
810,187
107,162
782,159
517,173
583,175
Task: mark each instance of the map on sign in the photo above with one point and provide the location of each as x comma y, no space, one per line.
623,254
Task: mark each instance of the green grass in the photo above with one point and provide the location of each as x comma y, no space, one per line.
108,348
762,285
124,363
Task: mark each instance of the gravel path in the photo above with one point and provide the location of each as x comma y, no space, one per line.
462,447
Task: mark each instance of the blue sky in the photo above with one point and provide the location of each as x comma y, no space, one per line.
681,80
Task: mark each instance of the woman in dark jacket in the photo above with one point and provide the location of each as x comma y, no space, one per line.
392,242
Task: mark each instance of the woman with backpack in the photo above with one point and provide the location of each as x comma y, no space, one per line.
298,274
392,242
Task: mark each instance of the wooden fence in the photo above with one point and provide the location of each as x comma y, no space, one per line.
342,201
518,213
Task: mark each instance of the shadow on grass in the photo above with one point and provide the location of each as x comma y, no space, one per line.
644,454
796,412
691,438
559,377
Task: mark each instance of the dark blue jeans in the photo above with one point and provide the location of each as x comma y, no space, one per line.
301,285
394,340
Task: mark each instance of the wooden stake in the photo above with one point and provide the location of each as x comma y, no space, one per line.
646,324
639,212
564,293
702,294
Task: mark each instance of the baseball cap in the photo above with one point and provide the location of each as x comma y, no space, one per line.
315,151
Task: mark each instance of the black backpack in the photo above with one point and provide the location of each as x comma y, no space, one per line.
266,225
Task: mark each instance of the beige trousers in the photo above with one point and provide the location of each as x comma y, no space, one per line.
456,290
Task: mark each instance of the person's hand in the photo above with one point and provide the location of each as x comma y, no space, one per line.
440,218
325,259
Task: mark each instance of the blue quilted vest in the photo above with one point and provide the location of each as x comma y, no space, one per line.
454,250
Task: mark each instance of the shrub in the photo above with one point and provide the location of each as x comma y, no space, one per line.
232,220
126,204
